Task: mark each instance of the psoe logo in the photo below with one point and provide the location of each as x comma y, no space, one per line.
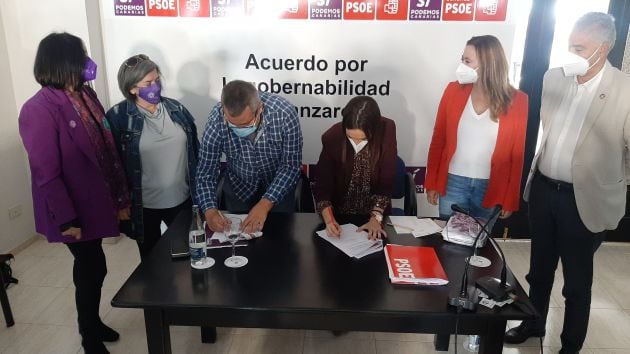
194,8
491,10
491,7
359,10
391,7
162,8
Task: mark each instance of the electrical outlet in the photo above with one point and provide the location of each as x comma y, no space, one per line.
15,212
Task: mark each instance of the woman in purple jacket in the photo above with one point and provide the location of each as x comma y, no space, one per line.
78,183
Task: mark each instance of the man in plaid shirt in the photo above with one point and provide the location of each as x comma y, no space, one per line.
260,135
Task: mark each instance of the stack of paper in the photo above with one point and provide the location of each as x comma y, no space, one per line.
219,239
354,244
413,225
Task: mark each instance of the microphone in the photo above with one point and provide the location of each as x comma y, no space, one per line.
465,299
497,289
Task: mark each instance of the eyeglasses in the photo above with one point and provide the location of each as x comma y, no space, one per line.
135,60
251,123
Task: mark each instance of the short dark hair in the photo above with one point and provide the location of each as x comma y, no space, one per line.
132,71
237,95
60,61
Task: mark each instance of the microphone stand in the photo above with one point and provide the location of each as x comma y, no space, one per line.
464,299
497,289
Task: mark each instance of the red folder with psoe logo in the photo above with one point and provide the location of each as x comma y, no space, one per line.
414,265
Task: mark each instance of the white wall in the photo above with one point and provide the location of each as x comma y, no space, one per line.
194,54
22,25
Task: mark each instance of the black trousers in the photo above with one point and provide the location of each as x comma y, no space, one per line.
152,219
557,233
88,273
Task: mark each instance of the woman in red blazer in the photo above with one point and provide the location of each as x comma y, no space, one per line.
476,153
356,168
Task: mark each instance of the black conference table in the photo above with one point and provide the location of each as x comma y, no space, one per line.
296,280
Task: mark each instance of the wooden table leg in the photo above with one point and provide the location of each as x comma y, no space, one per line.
208,334
492,341
158,333
440,342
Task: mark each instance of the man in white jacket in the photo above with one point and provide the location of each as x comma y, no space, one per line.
577,185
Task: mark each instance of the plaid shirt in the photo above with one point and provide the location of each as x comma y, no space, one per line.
272,161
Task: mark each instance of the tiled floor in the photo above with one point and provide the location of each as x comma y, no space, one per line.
43,306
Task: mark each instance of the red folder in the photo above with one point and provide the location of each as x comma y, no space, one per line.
414,265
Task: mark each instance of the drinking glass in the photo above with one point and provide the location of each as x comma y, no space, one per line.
233,233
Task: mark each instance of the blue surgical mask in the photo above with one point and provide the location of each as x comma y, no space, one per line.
242,132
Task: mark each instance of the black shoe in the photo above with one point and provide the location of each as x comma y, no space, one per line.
94,347
521,333
107,334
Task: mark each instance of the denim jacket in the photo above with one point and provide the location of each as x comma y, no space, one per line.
127,123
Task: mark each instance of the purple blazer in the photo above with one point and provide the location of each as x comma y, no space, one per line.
66,180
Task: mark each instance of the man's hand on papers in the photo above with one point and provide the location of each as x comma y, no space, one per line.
255,220
215,220
374,229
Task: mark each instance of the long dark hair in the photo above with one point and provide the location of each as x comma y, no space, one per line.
60,61
362,112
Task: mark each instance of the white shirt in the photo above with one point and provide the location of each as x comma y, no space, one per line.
557,155
476,139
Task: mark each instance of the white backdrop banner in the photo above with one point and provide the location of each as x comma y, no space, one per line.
318,54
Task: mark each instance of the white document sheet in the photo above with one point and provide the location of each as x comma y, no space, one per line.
221,237
354,244
413,225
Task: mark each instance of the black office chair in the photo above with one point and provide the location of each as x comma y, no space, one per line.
4,299
404,187
304,202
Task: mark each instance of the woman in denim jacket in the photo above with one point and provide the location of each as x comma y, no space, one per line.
157,140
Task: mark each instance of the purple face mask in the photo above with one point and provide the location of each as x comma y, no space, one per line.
89,72
151,93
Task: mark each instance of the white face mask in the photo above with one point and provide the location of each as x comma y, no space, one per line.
576,65
358,147
465,74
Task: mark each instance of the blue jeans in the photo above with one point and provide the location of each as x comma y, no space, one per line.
466,192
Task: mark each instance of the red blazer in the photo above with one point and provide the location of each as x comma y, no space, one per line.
504,185
331,177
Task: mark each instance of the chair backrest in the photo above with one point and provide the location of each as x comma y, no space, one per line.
404,187
411,204
304,202
399,181
303,195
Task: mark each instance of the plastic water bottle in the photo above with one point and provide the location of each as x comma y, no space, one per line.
473,343
197,240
